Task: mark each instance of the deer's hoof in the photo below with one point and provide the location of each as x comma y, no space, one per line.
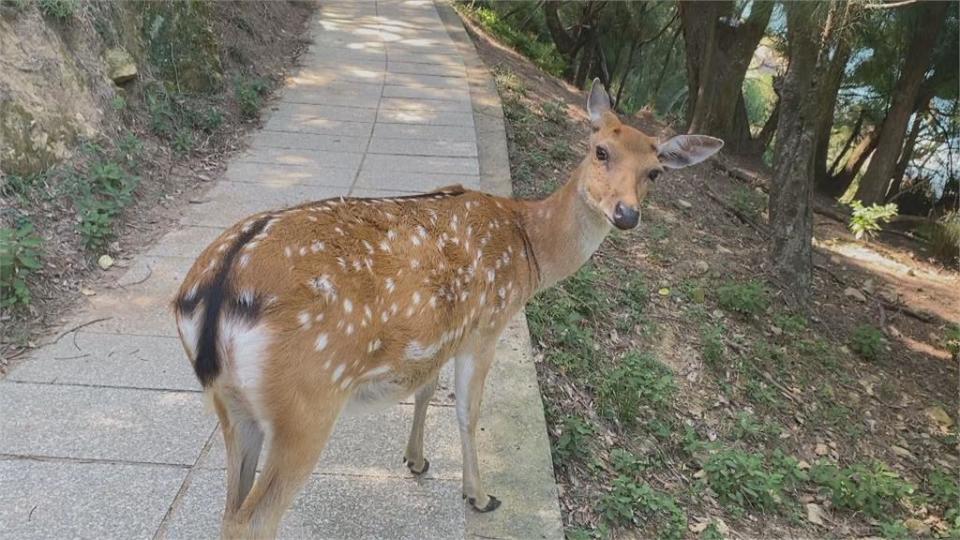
410,465
492,504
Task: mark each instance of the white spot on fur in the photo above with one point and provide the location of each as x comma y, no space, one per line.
316,246
338,372
304,318
377,371
347,305
346,382
287,251
321,343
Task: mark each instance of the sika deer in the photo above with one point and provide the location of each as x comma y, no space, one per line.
295,315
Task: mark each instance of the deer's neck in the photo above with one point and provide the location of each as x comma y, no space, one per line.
564,231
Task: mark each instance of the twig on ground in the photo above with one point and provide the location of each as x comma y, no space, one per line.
78,327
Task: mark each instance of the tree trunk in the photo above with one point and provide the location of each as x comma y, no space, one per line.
791,187
718,55
905,156
837,185
827,106
854,133
873,185
666,62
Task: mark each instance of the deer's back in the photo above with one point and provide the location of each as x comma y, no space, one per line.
347,291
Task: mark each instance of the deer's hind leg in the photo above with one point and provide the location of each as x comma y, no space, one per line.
413,457
243,440
295,445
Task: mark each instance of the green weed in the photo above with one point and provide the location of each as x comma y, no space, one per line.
626,462
630,501
104,193
870,488
742,480
867,220
711,337
249,95
747,426
893,530
59,9
867,341
749,202
637,381
19,256
750,298
183,142
574,440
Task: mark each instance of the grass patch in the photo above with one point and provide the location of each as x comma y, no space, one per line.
868,342
637,382
744,480
19,257
633,503
869,488
750,298
749,202
543,54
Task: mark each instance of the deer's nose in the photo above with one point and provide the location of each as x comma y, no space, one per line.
625,217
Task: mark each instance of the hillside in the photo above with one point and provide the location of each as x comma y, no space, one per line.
686,399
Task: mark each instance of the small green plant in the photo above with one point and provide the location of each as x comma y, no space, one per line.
103,195
59,9
20,185
749,298
867,341
747,426
573,443
741,480
951,339
626,462
867,220
183,142
944,492
893,530
712,532
943,237
249,94
637,381
791,324
19,256
870,488
711,337
629,500
749,202
118,103
130,148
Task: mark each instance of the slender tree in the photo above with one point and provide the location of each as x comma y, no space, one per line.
719,48
876,179
791,188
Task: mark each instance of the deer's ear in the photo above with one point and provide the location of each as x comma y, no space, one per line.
685,150
598,102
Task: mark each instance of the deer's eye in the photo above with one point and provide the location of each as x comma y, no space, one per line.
654,174
602,154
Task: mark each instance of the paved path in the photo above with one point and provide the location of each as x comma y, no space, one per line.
104,433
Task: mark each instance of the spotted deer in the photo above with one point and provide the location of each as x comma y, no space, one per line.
295,316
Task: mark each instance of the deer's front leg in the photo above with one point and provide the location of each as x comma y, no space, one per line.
413,457
470,375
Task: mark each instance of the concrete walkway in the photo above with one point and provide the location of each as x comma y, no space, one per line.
104,433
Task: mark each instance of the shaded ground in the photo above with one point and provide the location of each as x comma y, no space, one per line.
686,399
164,144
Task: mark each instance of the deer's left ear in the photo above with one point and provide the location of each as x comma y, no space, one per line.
685,150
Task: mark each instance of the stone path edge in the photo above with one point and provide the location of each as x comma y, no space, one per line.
515,449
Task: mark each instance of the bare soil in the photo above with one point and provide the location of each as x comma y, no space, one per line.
830,404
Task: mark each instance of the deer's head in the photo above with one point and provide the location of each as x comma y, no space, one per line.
622,161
